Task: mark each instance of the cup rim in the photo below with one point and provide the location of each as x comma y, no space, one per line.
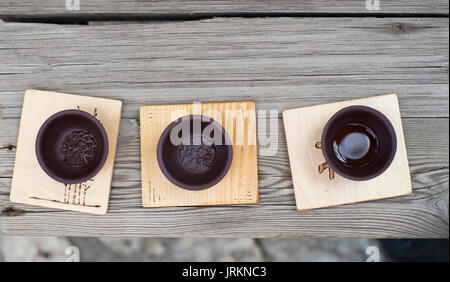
164,170
40,156
386,122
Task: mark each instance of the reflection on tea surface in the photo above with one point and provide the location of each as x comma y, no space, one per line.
355,145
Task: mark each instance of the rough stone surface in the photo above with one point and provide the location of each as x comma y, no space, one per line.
33,248
183,249
213,250
315,250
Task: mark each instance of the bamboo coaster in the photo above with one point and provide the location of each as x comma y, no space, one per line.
312,189
30,184
240,184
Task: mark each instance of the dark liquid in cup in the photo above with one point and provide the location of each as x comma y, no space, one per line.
355,145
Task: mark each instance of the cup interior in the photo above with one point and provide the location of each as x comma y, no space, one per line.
384,133
72,146
194,152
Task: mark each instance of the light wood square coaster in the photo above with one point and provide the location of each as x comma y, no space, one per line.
31,185
240,184
304,127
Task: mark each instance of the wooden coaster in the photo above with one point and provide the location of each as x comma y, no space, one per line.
31,185
304,127
240,184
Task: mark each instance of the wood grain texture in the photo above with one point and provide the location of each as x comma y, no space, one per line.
30,7
238,186
31,185
279,63
303,129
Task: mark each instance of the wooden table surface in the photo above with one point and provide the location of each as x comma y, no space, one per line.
280,54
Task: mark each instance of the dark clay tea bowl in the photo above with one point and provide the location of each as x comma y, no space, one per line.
72,146
359,143
194,152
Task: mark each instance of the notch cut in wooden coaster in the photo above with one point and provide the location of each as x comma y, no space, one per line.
239,185
31,185
314,189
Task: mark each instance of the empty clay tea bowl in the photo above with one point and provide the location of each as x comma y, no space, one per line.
194,152
71,146
359,143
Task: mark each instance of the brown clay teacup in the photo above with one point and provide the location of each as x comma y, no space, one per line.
71,146
358,143
194,152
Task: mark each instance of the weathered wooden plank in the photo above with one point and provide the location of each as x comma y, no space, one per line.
419,134
425,100
405,217
296,60
279,63
429,176
227,52
30,7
